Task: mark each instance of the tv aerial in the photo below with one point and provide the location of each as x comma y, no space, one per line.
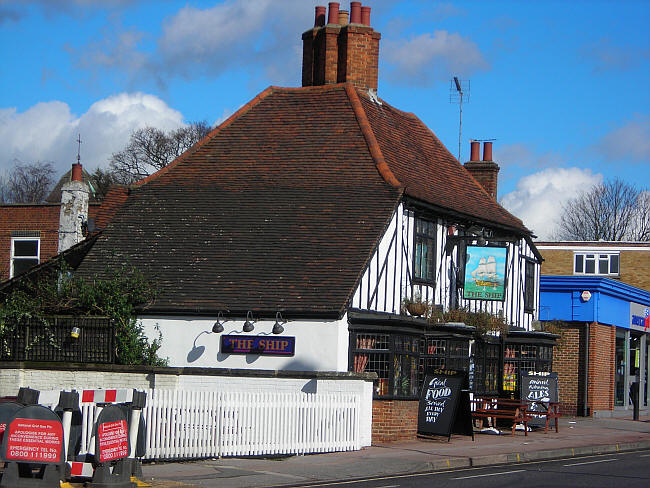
459,93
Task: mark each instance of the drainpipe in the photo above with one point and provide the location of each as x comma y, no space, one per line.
585,409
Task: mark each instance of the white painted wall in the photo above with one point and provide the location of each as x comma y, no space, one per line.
321,345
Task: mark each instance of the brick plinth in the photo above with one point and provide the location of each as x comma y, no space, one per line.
394,420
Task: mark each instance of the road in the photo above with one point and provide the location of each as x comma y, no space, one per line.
623,470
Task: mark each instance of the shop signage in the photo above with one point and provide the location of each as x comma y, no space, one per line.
586,296
444,404
35,435
263,345
485,273
639,317
538,389
112,434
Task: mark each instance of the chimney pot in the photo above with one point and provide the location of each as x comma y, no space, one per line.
77,174
334,13
343,17
487,151
319,20
365,16
476,149
355,12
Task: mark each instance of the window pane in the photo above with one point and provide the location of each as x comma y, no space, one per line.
25,248
579,267
603,265
590,266
613,264
21,265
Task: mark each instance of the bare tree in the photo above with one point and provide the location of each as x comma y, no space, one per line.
610,211
150,149
29,182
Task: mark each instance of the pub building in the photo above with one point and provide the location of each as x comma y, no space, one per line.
317,214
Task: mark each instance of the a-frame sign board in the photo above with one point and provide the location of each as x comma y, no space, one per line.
444,406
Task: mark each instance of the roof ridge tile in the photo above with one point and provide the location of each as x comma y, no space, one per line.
366,129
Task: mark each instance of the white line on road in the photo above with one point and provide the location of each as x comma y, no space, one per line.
491,474
389,486
645,455
590,462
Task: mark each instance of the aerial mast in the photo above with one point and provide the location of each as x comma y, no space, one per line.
459,93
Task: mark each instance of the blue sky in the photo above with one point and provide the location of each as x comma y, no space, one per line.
562,87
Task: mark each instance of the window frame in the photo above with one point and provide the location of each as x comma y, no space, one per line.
529,288
13,257
596,257
418,236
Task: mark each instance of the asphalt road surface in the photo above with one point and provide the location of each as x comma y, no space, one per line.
622,470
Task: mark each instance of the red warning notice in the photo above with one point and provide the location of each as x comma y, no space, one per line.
37,441
113,441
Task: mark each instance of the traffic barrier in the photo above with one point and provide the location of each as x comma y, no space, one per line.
104,449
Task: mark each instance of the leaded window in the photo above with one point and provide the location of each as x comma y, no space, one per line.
424,257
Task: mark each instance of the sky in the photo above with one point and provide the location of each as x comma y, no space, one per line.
562,87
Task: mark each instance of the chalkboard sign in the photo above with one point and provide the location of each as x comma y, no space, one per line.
538,389
444,404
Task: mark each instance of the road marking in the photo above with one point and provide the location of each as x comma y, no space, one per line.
645,455
389,486
490,474
590,462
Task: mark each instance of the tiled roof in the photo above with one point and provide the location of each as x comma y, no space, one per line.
281,206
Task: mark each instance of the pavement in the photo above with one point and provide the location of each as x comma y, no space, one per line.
577,437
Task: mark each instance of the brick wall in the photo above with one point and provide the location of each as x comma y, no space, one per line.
568,362
394,420
602,350
635,268
557,262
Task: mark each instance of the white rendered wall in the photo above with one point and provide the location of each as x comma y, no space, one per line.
74,212
321,345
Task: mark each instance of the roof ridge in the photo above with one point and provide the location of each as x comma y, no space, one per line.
257,99
366,129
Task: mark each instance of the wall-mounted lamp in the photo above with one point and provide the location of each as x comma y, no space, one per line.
481,241
217,328
74,333
248,325
277,327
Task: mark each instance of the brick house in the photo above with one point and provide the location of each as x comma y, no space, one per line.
289,238
601,291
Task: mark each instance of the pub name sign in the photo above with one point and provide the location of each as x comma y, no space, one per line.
262,345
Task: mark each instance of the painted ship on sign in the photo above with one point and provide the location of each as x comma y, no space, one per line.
485,273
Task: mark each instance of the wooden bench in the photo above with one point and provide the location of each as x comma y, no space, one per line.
500,408
551,411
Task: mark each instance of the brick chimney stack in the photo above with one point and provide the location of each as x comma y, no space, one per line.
486,172
339,51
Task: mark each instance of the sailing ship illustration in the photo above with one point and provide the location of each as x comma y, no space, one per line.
485,273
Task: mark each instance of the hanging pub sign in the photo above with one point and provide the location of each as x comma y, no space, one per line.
485,273
262,345
444,404
538,390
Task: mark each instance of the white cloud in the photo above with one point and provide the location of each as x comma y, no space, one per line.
428,58
629,143
538,198
47,131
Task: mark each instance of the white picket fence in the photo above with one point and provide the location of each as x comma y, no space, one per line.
198,424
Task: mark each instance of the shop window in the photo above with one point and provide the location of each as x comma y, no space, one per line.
524,358
25,253
529,286
393,357
424,256
487,363
438,353
606,264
